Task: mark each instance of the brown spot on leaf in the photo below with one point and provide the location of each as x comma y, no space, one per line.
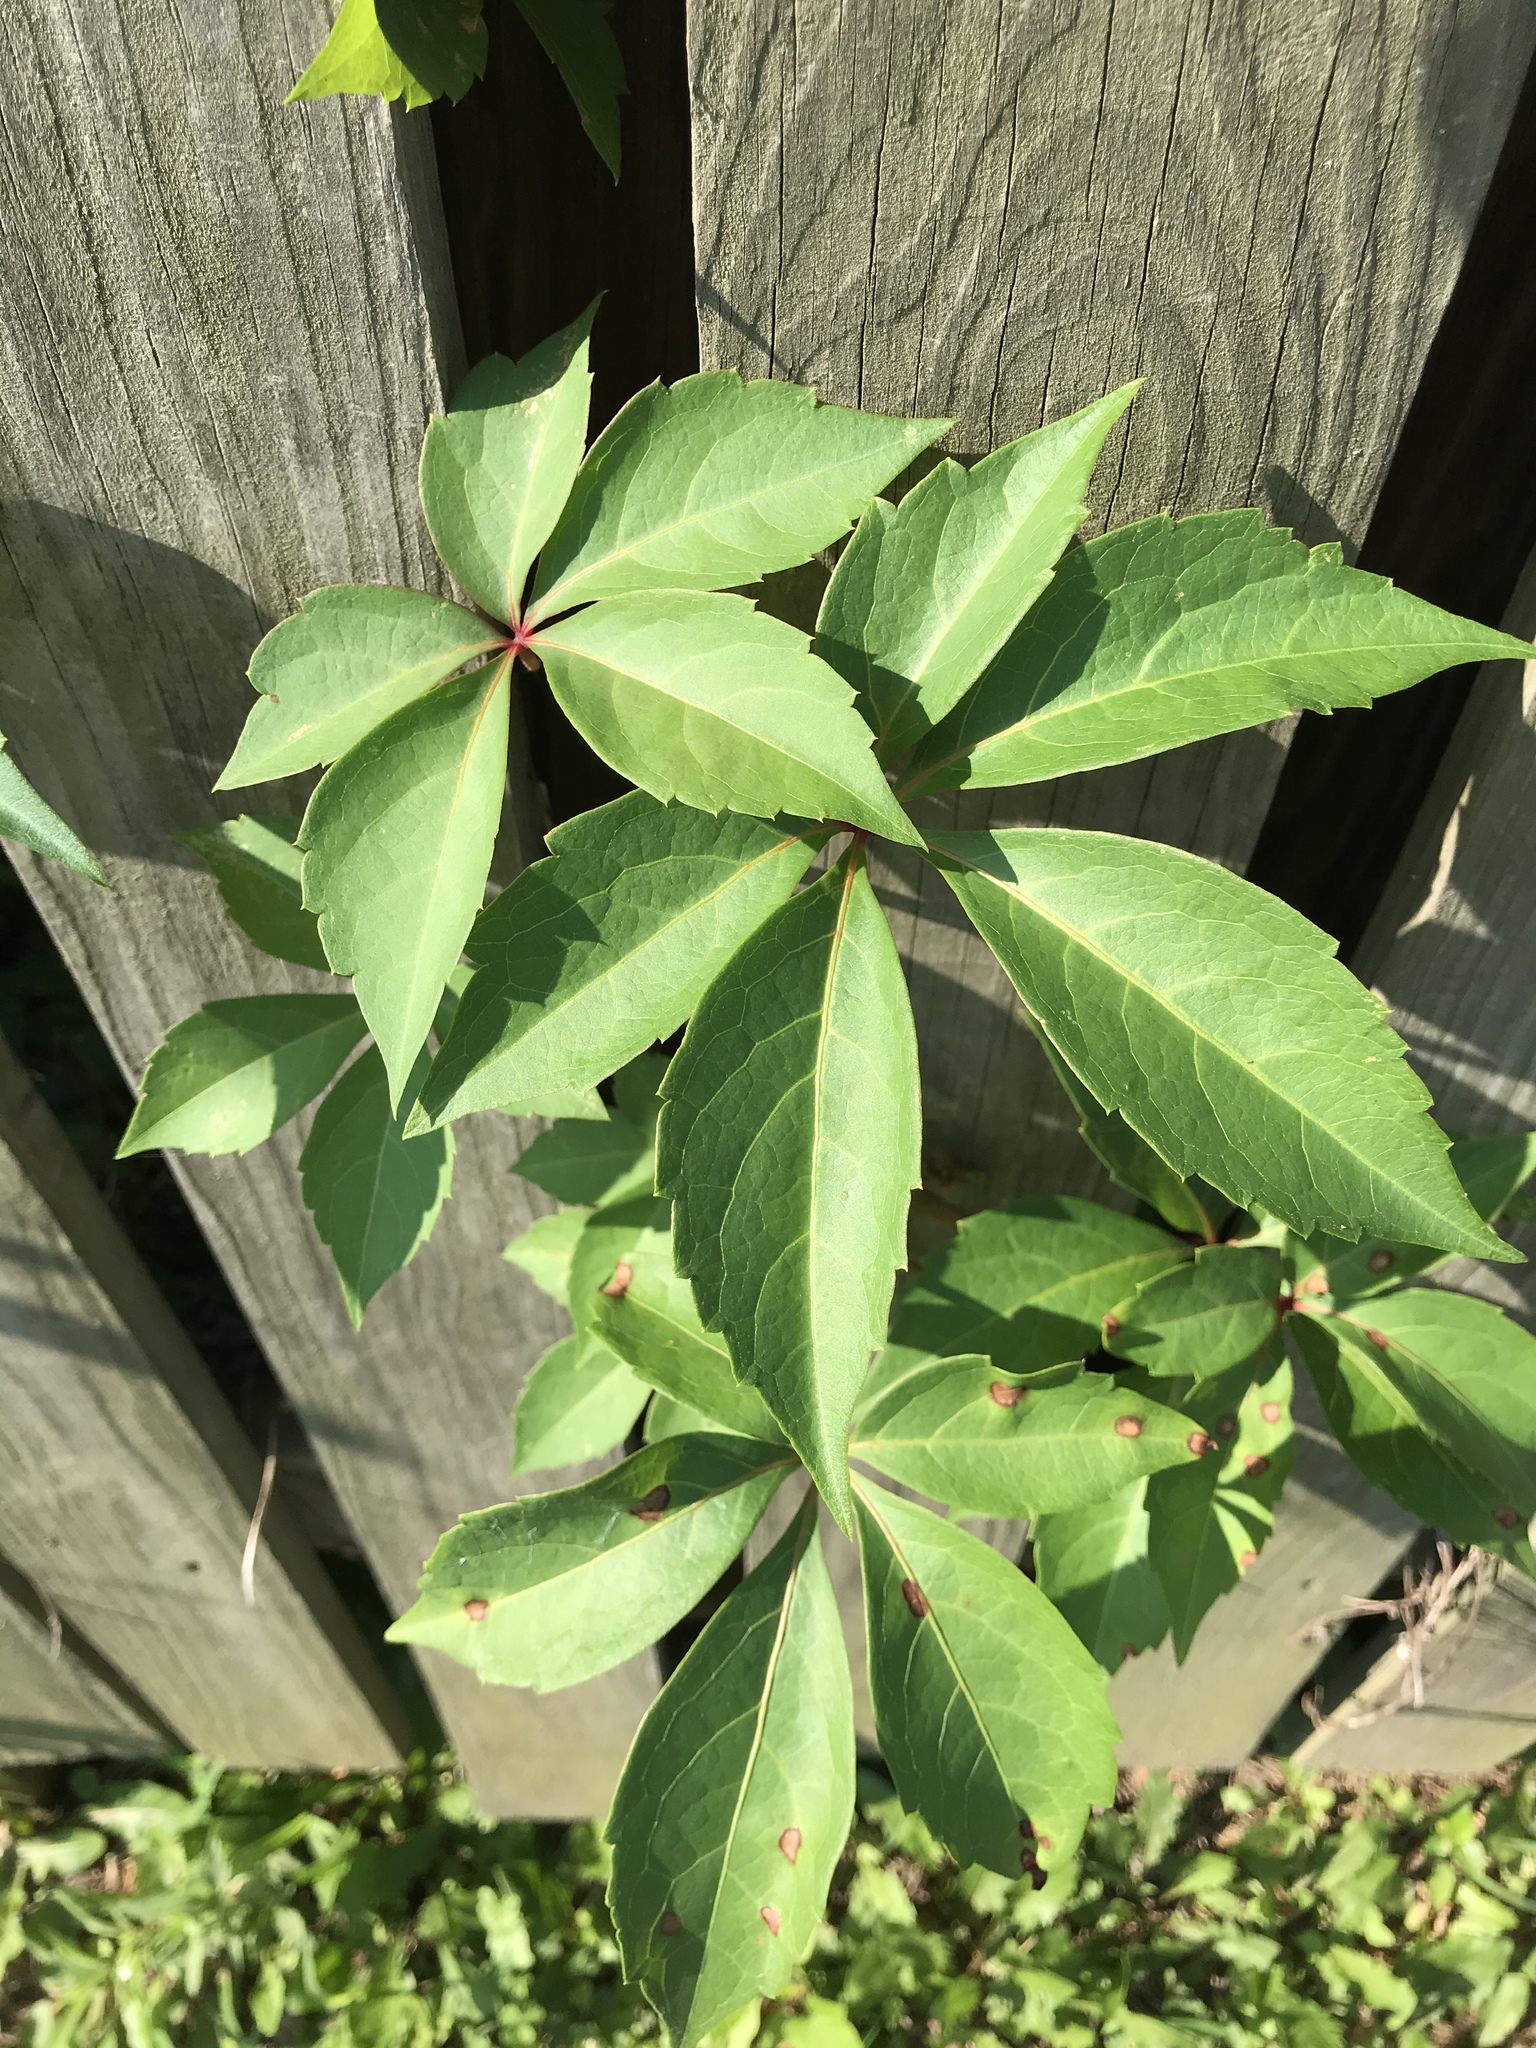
1253,1465
1271,1411
1316,1282
476,1610
1043,1843
671,1923
1248,1557
653,1505
1507,1518
1004,1395
1128,1650
1112,1327
912,1593
1226,1425
1128,1425
771,1919
1199,1443
789,1842
1382,1343
618,1286
1378,1262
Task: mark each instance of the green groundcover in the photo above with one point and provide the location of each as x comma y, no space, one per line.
200,1907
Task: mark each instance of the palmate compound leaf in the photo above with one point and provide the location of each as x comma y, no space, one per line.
579,1401
712,483
498,465
1092,1566
735,1801
992,1717
258,869
789,1141
1027,1285
415,50
647,1316
591,955
926,592
699,696
225,1078
397,845
1201,1319
1379,1427
1218,1023
32,823
1171,631
351,655
374,1193
553,1588
987,1444
579,43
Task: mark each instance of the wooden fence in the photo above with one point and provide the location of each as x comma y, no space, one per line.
223,324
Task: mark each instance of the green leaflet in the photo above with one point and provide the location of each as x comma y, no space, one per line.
1028,1285
1185,1205
350,656
580,44
653,1324
1492,1170
397,845
1201,1319
497,467
1092,1566
735,1801
374,1193
413,50
607,1242
585,1162
1218,1023
714,483
1208,1522
789,1142
986,1445
553,1588
25,818
1174,630
258,869
546,1248
1469,1374
579,1401
699,696
924,595
228,1076
605,947
1380,1430
991,1715
666,1417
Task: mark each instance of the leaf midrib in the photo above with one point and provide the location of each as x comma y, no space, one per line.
818,1093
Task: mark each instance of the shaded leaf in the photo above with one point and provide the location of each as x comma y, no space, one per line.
498,465
699,696
228,1076
555,1587
1131,1163
415,50
735,1801
25,818
1092,1565
714,483
1201,1319
397,845
259,872
546,1248
924,595
374,1193
990,1712
605,947
350,656
587,1163
579,43
789,1142
1028,1284
1171,631
1278,1078
579,1401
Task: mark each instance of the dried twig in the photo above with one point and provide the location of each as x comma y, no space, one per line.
253,1534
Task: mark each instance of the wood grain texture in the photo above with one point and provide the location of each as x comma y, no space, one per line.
223,325
127,1488
58,1700
998,213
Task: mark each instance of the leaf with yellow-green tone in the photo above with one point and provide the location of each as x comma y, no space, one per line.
545,1249
1201,1319
397,844
415,50
579,1401
1092,1566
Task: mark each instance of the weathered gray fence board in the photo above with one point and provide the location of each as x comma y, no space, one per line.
223,324
56,1699
127,1488
1001,212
